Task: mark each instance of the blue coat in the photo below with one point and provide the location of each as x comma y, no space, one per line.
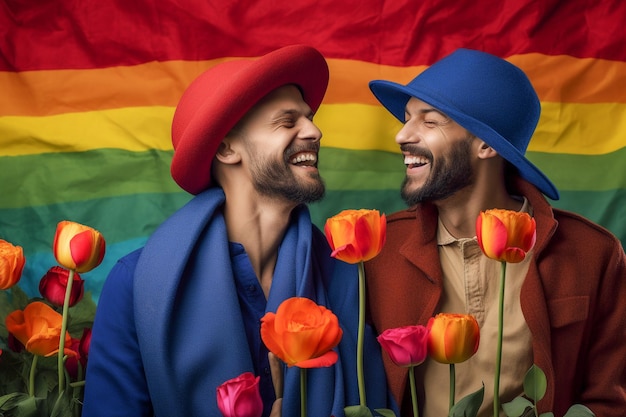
168,328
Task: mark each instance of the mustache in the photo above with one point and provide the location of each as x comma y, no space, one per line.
294,149
416,150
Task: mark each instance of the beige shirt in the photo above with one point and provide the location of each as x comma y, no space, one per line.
471,285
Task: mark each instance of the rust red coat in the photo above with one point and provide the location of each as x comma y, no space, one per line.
573,299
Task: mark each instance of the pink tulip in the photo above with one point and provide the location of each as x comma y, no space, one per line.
406,346
240,397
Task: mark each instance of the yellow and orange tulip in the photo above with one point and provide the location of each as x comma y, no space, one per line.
356,235
11,264
38,328
506,235
78,247
453,338
302,333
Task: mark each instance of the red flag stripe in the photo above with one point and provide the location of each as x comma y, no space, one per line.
98,34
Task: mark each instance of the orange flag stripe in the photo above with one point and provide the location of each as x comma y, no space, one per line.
556,78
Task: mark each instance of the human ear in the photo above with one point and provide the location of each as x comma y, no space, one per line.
226,154
485,151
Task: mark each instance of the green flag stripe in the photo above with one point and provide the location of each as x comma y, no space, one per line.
106,173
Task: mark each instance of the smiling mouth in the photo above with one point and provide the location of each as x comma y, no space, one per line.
308,159
415,161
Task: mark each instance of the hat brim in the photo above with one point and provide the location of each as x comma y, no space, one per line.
394,97
216,100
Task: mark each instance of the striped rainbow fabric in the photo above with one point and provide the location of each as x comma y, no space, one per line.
88,89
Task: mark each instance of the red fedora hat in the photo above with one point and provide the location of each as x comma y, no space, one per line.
216,100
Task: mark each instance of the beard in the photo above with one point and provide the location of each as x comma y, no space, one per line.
278,180
448,175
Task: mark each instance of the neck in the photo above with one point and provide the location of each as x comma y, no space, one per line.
259,224
459,212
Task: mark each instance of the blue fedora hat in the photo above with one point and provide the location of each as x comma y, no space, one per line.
488,96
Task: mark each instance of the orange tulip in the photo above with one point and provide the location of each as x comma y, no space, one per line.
11,264
356,235
302,333
506,235
38,328
453,338
78,247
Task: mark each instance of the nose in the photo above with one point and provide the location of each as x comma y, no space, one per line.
406,134
310,131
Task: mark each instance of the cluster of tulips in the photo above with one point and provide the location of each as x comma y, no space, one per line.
356,236
40,329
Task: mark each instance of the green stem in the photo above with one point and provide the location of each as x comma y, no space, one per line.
31,377
66,306
360,336
413,390
496,385
302,392
452,385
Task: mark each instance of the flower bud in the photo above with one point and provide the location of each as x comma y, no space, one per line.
240,397
356,235
505,235
83,348
302,333
453,338
406,346
53,286
78,247
11,264
38,328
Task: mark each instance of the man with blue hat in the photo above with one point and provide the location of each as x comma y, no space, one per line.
182,315
468,120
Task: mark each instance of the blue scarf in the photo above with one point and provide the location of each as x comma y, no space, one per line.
189,323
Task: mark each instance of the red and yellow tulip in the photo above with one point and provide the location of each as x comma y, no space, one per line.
453,338
505,235
302,333
356,235
78,247
11,264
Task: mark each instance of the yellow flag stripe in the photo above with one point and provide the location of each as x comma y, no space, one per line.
563,128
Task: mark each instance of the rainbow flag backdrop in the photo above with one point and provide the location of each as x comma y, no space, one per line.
88,90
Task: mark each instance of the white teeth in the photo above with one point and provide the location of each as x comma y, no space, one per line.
304,157
415,160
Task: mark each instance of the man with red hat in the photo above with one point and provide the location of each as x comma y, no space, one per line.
181,316
468,120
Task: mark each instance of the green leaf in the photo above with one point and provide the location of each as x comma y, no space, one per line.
30,407
516,407
9,401
81,315
468,406
535,383
579,410
549,414
385,412
62,406
11,300
357,411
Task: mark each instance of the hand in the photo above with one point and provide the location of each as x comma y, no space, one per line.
276,368
277,408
